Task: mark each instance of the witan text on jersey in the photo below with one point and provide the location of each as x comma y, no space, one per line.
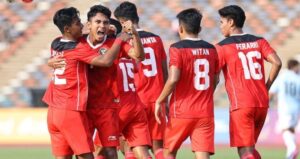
249,45
200,51
148,40
55,53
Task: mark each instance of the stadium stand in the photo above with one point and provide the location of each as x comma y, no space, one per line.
26,31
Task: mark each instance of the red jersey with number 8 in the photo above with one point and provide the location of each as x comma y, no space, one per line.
193,95
149,80
241,58
69,86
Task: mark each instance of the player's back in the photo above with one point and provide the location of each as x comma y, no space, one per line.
287,86
241,57
149,80
69,86
126,86
193,95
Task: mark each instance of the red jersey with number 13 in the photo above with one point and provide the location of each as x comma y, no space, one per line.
241,57
193,95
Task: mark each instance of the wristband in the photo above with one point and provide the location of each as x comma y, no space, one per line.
118,41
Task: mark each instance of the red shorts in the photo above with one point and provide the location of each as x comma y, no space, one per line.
200,131
106,121
69,132
245,125
156,130
134,125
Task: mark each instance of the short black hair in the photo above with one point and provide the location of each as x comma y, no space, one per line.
191,20
98,9
65,17
127,10
235,13
292,63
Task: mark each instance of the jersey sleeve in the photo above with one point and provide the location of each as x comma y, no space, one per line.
266,49
220,57
175,59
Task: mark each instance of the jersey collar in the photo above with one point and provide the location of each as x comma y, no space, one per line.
238,34
192,39
95,46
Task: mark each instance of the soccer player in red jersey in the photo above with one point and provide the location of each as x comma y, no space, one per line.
192,79
103,99
152,72
241,58
132,116
67,92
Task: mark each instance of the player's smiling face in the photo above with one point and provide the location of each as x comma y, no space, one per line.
98,26
225,26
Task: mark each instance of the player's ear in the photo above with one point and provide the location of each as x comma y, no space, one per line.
67,29
89,25
231,22
180,29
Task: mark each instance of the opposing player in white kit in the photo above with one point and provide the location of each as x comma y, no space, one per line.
287,88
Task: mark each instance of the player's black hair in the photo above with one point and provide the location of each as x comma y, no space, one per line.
128,11
117,24
98,9
190,19
292,63
235,13
65,17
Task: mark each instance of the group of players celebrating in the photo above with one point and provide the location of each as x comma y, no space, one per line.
110,87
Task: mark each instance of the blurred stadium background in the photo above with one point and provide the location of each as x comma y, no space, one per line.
26,31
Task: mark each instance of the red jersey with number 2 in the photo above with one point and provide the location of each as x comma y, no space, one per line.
193,95
69,86
241,58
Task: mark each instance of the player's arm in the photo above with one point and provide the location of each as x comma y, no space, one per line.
108,58
276,65
137,52
165,70
173,78
56,62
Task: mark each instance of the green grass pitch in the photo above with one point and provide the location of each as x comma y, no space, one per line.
222,152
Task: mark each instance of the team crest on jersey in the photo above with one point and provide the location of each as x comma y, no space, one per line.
102,51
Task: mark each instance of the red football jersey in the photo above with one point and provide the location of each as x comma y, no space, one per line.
149,79
127,89
193,94
103,85
241,57
69,86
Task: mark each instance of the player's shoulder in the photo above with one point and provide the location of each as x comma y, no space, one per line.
145,34
192,44
239,39
59,44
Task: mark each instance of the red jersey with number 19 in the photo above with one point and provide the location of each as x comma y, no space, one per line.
241,57
193,95
149,80
69,86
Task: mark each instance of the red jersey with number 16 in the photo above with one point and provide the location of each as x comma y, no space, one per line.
241,57
193,95
150,80
69,86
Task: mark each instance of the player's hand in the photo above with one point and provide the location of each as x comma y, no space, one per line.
129,28
57,62
124,36
158,112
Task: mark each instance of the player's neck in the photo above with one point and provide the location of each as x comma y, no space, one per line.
94,41
236,31
189,36
68,37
